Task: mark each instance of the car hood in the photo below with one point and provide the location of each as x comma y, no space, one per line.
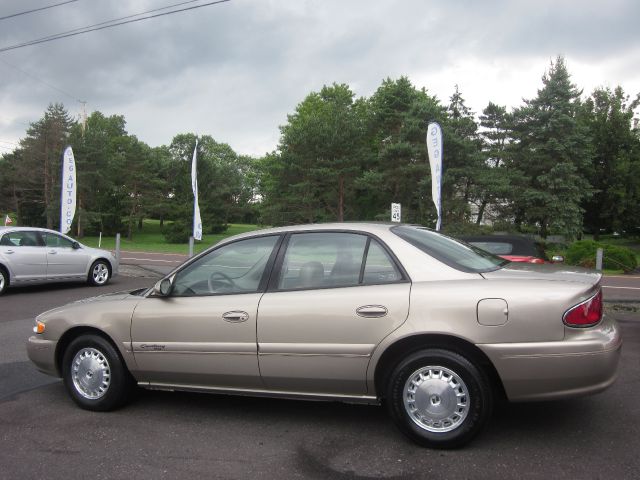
107,297
548,272
97,252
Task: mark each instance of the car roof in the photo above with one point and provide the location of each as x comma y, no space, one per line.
369,227
38,229
28,229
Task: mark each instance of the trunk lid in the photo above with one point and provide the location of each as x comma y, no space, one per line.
546,272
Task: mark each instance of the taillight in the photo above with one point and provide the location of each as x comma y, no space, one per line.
536,260
585,314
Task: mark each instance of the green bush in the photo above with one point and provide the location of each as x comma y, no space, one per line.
178,232
583,253
218,228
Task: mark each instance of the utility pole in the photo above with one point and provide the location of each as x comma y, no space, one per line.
83,115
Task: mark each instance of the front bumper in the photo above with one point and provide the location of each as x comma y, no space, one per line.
585,362
43,354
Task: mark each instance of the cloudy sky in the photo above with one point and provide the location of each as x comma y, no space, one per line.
236,69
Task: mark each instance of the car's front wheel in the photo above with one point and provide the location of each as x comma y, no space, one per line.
438,398
4,280
100,273
94,375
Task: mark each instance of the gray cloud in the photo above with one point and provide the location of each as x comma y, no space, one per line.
235,70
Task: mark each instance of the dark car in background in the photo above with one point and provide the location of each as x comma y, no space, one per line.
516,248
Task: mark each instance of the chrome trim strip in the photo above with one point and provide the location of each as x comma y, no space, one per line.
195,347
339,355
329,397
325,349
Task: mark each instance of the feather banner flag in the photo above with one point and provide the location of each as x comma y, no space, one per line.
197,221
434,149
68,194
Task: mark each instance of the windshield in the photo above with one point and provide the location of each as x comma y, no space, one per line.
459,255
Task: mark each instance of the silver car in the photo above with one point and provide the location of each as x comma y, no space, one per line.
38,255
435,329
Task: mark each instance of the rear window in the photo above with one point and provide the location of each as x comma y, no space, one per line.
461,256
497,248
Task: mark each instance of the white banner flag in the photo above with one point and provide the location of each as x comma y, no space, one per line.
434,149
197,221
68,196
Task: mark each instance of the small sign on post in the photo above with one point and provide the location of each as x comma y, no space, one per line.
396,212
599,253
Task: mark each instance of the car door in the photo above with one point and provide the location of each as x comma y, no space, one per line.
64,261
25,254
203,334
333,298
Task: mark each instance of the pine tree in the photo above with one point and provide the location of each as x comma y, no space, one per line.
551,155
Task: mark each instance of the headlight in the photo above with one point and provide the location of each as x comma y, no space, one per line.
39,327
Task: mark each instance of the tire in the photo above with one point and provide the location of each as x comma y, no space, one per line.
438,398
4,280
99,273
94,374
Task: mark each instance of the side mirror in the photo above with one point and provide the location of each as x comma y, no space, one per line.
163,287
557,259
75,245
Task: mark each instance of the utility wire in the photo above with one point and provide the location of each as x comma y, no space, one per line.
36,9
41,81
89,29
81,29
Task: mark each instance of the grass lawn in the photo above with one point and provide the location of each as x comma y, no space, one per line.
151,239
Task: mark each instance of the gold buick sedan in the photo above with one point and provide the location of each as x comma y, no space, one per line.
434,329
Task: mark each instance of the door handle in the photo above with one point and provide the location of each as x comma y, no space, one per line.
235,316
52,252
372,311
8,251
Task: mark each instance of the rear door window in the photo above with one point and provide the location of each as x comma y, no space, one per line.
335,259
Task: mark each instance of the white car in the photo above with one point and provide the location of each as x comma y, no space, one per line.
37,255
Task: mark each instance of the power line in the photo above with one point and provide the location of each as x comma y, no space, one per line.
81,29
36,9
73,33
41,81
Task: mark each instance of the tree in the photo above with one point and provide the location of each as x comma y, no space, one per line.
496,180
609,117
463,162
223,190
551,155
397,169
37,168
318,159
99,173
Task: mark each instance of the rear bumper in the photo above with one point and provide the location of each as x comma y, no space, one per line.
585,362
43,354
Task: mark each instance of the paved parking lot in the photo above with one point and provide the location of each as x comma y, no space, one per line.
176,435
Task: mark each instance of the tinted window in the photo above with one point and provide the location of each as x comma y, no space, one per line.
234,268
497,248
379,267
461,256
335,259
316,260
22,239
53,240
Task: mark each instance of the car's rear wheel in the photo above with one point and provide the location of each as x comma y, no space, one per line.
94,375
4,280
438,398
100,273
